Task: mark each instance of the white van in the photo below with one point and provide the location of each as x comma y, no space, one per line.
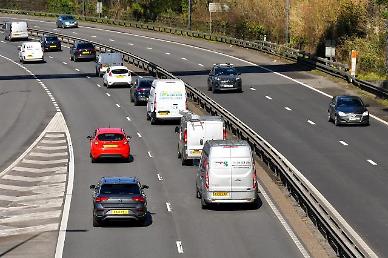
226,173
15,30
104,60
30,52
194,131
166,100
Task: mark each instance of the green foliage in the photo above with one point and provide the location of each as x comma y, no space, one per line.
61,6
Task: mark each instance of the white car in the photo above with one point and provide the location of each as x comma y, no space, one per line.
30,51
117,75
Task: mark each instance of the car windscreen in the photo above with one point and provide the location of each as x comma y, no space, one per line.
226,71
349,102
120,71
85,45
145,84
119,189
68,18
51,39
110,137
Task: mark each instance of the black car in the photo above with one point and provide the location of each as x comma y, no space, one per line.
224,77
348,110
119,198
140,91
82,50
50,43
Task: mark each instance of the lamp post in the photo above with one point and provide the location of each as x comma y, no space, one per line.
287,29
189,19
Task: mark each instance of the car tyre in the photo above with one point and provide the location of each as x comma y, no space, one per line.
96,222
142,221
92,160
197,193
214,90
329,119
336,122
136,102
179,153
148,116
154,120
204,205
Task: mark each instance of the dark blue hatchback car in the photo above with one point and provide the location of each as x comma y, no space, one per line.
119,198
140,91
348,110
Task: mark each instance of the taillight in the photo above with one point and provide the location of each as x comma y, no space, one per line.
207,180
110,73
125,142
254,181
101,199
185,135
138,199
225,134
155,104
101,66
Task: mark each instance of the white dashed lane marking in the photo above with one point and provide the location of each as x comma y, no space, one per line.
93,36
201,65
168,53
138,134
268,97
287,108
149,48
179,247
111,40
149,154
252,88
183,58
310,122
64,63
343,143
160,178
131,44
98,85
88,77
51,57
372,162
107,94
77,69
128,118
117,105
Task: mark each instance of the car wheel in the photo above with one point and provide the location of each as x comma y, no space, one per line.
197,193
329,117
148,116
204,205
336,122
96,222
179,153
153,119
136,102
214,90
92,160
142,221
239,90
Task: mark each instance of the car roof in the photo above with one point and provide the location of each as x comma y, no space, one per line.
110,130
224,65
118,67
119,180
347,97
31,43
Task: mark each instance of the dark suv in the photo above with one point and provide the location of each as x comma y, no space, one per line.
224,77
119,198
82,50
50,42
140,91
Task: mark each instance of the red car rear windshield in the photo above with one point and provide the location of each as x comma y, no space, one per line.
119,189
110,137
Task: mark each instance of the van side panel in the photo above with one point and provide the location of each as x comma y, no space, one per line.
220,174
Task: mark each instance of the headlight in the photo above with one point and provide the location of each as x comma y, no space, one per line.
218,79
341,113
366,113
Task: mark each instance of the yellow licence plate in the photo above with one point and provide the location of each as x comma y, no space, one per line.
120,212
110,146
220,194
85,53
163,113
29,55
196,151
120,76
52,46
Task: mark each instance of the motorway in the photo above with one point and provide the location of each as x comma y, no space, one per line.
175,214
347,165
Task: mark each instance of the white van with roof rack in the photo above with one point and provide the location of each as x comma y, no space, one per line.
194,131
226,173
166,100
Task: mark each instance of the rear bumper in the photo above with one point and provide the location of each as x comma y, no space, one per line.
234,197
91,57
107,153
119,83
33,59
133,213
168,116
50,48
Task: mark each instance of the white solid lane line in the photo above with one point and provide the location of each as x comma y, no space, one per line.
251,88
268,97
98,85
343,143
372,162
160,178
107,94
310,122
128,118
149,154
287,108
169,209
201,65
75,32
117,105
138,134
179,247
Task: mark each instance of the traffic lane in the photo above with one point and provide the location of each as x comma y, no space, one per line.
85,109
25,109
208,233
335,172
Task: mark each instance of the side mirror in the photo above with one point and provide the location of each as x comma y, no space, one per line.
145,187
177,129
201,141
129,137
89,137
92,186
19,48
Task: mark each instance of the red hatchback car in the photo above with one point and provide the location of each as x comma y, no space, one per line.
109,143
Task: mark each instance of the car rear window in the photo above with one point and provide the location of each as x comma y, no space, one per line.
145,84
85,45
110,137
119,189
120,71
51,38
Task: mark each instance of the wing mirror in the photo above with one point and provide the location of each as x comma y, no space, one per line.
129,137
145,187
177,129
92,186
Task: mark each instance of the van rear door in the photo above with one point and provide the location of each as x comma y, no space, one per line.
242,169
171,100
195,132
214,130
220,173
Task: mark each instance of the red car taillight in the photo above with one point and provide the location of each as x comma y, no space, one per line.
207,180
138,199
110,74
101,199
185,136
225,134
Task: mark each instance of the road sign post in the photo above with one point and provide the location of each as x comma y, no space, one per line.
99,9
216,8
